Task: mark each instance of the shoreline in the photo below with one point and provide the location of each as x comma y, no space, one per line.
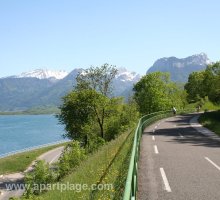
11,153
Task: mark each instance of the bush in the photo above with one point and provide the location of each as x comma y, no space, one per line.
41,175
71,157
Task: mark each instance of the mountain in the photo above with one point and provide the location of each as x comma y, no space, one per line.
43,88
124,81
43,74
15,92
180,69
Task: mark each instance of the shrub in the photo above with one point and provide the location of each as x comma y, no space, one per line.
40,175
71,157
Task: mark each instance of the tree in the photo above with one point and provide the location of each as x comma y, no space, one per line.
212,82
155,92
195,87
81,108
88,112
204,83
97,78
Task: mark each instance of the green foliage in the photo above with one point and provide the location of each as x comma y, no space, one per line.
97,167
88,112
41,175
194,87
205,83
211,120
124,118
205,105
71,157
81,108
212,82
44,174
155,92
117,173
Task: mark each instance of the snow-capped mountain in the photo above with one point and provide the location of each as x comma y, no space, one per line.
125,75
124,81
43,74
45,88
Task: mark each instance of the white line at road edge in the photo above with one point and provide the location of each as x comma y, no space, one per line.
155,127
212,163
166,183
155,149
153,138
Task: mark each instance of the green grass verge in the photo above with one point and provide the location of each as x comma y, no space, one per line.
19,162
205,107
211,120
109,165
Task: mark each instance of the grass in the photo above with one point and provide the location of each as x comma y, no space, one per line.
211,120
207,106
210,106
109,165
19,162
117,173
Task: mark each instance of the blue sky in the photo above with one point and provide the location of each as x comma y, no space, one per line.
70,34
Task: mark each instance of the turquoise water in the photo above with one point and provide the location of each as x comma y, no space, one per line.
23,131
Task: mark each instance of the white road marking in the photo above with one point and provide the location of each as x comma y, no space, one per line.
54,158
155,127
153,138
166,183
156,149
180,135
212,163
1,176
174,125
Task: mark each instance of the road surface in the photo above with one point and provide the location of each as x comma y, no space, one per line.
17,178
178,163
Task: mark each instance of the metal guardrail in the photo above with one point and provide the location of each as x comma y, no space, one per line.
32,148
131,181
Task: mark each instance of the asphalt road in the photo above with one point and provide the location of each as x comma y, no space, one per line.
17,178
178,163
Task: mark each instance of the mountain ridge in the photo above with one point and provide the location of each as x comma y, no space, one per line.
42,74
180,68
21,93
37,88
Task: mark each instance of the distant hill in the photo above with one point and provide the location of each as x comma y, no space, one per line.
45,88
180,69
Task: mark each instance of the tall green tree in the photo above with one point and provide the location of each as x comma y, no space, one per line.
212,82
195,87
89,113
81,108
204,83
155,92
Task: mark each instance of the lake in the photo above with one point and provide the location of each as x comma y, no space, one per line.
23,131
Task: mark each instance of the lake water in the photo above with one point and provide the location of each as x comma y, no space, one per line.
23,131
